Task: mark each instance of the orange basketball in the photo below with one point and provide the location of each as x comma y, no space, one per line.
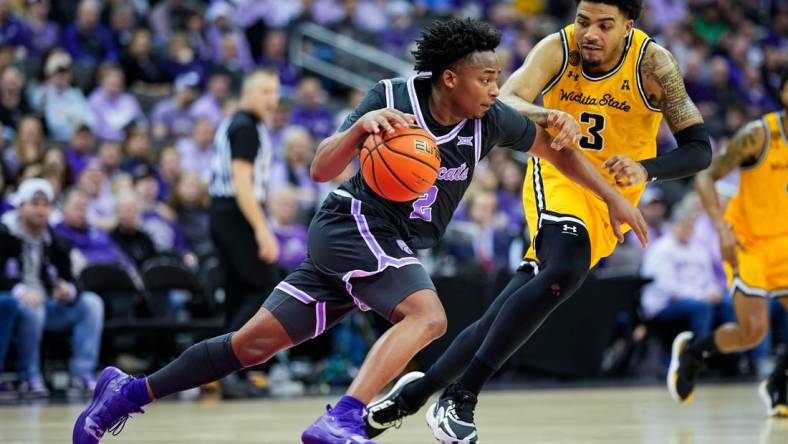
401,165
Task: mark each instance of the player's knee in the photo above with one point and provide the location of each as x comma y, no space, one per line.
434,325
753,331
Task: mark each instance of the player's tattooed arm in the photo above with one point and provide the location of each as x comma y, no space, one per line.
541,66
745,148
664,86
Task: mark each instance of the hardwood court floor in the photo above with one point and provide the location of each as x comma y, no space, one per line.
719,415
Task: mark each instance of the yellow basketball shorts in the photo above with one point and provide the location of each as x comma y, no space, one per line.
551,198
763,266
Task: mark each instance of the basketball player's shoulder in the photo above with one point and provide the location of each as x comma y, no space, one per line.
550,52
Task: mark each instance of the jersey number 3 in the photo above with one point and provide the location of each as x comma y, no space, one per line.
594,140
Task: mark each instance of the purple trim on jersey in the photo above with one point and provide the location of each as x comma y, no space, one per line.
414,103
477,139
389,93
384,260
294,292
320,318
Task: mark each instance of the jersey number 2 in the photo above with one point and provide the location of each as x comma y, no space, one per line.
422,207
594,141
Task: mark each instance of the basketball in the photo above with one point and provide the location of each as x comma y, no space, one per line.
402,165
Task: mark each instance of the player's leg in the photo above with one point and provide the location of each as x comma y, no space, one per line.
407,298
774,390
689,351
564,256
412,390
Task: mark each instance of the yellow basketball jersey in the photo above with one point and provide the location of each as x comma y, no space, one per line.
760,207
612,109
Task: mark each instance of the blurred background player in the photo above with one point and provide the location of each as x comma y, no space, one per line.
617,83
754,245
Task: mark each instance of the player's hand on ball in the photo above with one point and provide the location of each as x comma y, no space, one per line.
623,212
567,127
267,246
626,171
385,119
728,244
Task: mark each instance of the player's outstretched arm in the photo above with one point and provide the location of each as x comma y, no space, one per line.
338,150
745,147
664,87
541,66
578,168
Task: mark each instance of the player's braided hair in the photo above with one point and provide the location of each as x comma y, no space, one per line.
443,43
630,8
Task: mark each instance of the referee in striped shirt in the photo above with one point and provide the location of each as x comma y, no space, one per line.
246,247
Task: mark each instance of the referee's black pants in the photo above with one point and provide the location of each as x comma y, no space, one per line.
247,279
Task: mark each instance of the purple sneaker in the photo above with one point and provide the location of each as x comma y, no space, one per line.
345,428
108,411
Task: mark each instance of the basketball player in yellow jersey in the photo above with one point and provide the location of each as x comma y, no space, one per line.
754,245
607,75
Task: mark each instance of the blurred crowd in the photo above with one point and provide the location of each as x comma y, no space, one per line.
114,104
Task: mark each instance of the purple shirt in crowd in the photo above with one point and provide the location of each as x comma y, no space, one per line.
44,39
179,122
93,47
14,31
207,107
95,244
292,244
166,235
318,121
195,159
77,161
113,114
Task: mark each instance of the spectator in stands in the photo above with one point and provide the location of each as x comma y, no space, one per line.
190,203
57,170
80,149
28,146
128,234
123,23
182,58
49,300
509,197
274,57
101,208
197,151
110,155
478,239
136,148
64,107
197,38
13,30
310,110
9,310
167,172
291,234
144,71
115,109
44,33
158,220
402,31
87,40
171,117
219,16
294,170
170,15
14,103
684,287
211,104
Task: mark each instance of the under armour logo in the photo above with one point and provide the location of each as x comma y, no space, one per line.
92,428
573,76
465,140
625,85
570,229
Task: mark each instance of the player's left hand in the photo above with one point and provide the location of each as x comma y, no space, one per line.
626,171
623,212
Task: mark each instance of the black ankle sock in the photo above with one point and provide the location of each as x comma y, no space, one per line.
419,391
477,373
780,372
703,348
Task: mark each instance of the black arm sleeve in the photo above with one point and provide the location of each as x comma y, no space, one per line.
375,99
692,155
510,129
244,141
